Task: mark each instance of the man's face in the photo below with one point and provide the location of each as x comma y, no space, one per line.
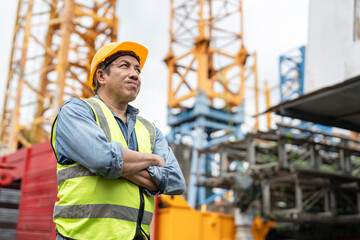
123,82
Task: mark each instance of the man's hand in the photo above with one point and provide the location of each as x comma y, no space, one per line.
158,161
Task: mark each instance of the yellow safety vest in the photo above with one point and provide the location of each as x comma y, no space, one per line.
93,207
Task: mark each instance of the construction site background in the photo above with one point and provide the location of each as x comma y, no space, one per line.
229,67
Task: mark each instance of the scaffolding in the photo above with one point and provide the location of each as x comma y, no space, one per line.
53,44
208,66
292,74
303,175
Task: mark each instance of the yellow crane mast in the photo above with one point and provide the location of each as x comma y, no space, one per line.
53,44
208,66
207,52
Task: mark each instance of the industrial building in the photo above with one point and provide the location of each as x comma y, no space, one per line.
293,174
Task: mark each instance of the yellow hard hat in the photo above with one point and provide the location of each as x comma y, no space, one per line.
112,48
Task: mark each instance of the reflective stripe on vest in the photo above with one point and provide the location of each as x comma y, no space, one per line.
101,211
92,207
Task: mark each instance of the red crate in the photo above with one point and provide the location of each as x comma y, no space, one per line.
36,167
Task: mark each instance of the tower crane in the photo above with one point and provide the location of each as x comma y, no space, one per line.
208,66
53,44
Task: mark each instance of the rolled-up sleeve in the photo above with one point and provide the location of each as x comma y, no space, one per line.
169,178
79,139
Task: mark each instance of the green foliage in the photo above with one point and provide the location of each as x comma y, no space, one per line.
330,168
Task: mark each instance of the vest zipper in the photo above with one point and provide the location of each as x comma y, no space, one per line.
140,215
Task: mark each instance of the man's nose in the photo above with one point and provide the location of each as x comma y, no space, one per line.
134,74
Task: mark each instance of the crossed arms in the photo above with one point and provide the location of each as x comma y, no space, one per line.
134,168
78,138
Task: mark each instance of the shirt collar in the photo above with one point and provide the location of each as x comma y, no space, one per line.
132,110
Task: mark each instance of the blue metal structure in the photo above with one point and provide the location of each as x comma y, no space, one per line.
206,126
292,72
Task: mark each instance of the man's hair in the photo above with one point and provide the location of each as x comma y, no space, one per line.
105,65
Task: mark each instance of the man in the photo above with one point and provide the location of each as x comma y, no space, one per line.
111,162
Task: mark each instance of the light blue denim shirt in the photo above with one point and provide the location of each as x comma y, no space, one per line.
79,138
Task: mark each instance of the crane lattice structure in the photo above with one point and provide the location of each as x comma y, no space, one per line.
208,66
53,44
292,74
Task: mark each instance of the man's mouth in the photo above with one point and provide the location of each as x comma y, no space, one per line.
133,84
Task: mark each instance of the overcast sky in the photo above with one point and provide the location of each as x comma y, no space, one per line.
271,27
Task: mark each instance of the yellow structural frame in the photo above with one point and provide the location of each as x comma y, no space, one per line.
53,44
195,28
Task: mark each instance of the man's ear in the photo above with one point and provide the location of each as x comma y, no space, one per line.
100,76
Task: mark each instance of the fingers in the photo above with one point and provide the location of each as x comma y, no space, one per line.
160,161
